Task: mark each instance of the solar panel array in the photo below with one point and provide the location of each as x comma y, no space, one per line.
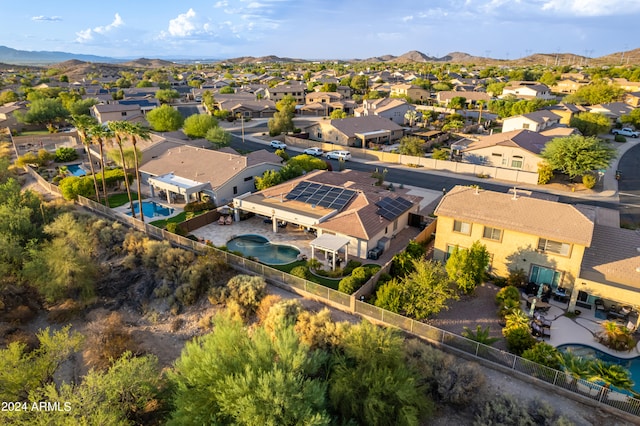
391,208
331,197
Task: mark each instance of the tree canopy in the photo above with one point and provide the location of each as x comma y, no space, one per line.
591,123
577,155
165,119
44,112
197,125
412,145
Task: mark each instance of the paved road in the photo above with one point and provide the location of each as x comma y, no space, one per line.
629,186
440,180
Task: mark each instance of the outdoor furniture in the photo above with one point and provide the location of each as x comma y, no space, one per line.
541,320
221,220
228,220
618,313
599,304
560,295
540,305
538,331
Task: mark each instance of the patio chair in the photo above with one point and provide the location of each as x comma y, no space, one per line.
221,220
599,304
228,220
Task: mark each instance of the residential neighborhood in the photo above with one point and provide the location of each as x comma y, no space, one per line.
488,209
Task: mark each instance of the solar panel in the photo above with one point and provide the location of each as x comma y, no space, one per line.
391,208
322,195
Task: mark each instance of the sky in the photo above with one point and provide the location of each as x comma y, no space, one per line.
321,29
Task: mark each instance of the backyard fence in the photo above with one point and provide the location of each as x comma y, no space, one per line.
349,303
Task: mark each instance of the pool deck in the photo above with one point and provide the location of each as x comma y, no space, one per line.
579,330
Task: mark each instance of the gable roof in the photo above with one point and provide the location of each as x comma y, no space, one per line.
613,257
352,125
541,116
529,215
526,139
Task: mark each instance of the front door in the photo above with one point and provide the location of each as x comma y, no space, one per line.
542,275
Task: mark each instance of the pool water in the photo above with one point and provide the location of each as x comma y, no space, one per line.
262,249
152,209
76,170
631,364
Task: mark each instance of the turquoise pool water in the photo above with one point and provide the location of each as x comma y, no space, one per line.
262,249
632,364
152,209
76,170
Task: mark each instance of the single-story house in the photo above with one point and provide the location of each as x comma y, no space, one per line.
536,121
356,131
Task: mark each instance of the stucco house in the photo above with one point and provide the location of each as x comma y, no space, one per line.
536,121
277,93
116,112
344,206
185,173
444,97
357,132
416,93
577,247
517,149
527,90
393,109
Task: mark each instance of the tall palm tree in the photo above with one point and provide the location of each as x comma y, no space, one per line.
99,134
120,131
136,131
84,123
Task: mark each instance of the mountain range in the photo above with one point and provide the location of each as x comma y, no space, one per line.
23,57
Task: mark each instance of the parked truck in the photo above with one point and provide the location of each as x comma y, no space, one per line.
626,131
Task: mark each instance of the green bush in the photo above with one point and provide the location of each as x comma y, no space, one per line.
349,285
198,206
620,138
301,272
507,293
64,155
519,339
545,173
589,180
350,266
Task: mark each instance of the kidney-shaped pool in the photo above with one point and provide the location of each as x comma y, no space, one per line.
262,249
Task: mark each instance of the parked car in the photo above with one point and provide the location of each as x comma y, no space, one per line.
337,155
278,145
316,152
626,131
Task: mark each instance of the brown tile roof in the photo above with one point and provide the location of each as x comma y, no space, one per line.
613,257
525,139
352,125
199,164
529,215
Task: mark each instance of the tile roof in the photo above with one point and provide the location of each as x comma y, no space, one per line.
352,125
529,215
613,257
526,139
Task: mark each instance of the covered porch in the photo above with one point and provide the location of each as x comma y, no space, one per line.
379,137
175,188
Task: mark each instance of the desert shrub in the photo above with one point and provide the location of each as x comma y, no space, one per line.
247,291
517,277
301,272
163,291
177,324
589,180
360,274
503,410
545,173
265,304
108,339
519,339
507,293
198,206
318,330
66,311
205,322
64,155
544,354
218,295
282,314
348,285
619,138
445,377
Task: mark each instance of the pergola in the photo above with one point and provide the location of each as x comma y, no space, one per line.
376,136
330,244
173,184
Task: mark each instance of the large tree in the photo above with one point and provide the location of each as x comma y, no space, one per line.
577,155
83,124
412,145
166,96
100,134
218,136
591,123
600,92
467,267
197,125
120,131
165,119
282,120
632,118
45,111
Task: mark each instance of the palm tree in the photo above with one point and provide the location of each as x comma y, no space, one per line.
84,123
411,116
575,367
610,375
99,134
120,131
136,131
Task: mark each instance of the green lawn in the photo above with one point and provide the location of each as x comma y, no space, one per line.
117,200
327,282
180,217
34,133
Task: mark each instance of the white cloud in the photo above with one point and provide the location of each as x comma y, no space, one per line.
407,18
220,4
117,22
255,5
183,25
46,18
593,7
84,36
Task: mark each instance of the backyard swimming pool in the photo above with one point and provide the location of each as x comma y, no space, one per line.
584,351
152,209
76,170
262,249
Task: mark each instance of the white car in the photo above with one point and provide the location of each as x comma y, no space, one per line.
278,145
316,152
338,155
626,131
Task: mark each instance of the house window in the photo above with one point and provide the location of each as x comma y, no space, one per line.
497,155
395,225
525,125
319,135
516,162
123,113
542,275
461,227
555,247
450,249
235,190
492,233
248,178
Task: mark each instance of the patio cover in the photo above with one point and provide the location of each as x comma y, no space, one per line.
177,185
329,243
